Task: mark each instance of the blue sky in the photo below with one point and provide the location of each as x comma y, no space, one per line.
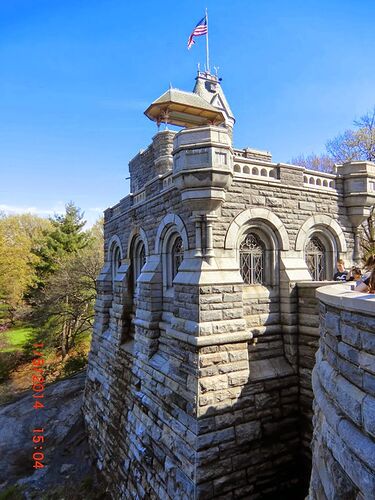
76,76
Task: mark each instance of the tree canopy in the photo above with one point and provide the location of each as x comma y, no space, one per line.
19,234
67,236
352,144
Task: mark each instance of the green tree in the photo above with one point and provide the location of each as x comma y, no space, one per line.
66,306
18,235
67,237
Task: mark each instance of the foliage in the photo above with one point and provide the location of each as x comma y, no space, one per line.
368,235
322,163
8,362
18,235
75,364
13,492
356,144
66,237
64,310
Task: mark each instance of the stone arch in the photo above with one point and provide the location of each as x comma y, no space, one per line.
113,242
268,217
237,168
321,221
137,231
168,221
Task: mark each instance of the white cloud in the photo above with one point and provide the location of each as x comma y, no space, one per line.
98,210
13,209
91,215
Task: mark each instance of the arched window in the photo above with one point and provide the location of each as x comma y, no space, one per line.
138,258
315,256
177,256
252,252
116,261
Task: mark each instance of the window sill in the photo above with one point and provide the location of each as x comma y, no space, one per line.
128,346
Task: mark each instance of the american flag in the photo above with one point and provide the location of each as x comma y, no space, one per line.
200,29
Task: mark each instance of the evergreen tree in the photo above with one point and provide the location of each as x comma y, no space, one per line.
67,237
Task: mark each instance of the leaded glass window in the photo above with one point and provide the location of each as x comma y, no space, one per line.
177,255
315,255
252,259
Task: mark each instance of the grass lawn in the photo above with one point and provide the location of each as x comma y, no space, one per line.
14,339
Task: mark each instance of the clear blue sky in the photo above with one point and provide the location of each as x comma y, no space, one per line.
76,76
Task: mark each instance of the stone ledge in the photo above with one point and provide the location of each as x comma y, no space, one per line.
342,297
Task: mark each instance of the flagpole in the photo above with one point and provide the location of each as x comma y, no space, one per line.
207,50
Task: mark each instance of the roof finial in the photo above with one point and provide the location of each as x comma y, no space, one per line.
216,68
170,86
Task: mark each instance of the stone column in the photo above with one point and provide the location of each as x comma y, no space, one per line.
197,218
357,245
209,253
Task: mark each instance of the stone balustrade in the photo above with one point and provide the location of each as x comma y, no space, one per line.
138,198
343,445
167,181
319,180
259,170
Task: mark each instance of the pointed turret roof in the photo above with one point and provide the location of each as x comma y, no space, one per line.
208,87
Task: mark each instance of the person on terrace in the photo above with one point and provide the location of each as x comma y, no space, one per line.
367,283
341,273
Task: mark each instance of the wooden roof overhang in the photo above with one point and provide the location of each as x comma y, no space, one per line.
184,109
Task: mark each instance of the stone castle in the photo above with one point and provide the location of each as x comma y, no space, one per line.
199,378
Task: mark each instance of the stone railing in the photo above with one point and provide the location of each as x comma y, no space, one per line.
343,446
312,178
261,171
167,181
138,198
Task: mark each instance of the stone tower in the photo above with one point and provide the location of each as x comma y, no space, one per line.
195,378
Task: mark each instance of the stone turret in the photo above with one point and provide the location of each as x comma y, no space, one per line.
162,144
203,166
359,195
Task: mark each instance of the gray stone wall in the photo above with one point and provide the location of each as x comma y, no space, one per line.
343,445
308,344
292,202
204,399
